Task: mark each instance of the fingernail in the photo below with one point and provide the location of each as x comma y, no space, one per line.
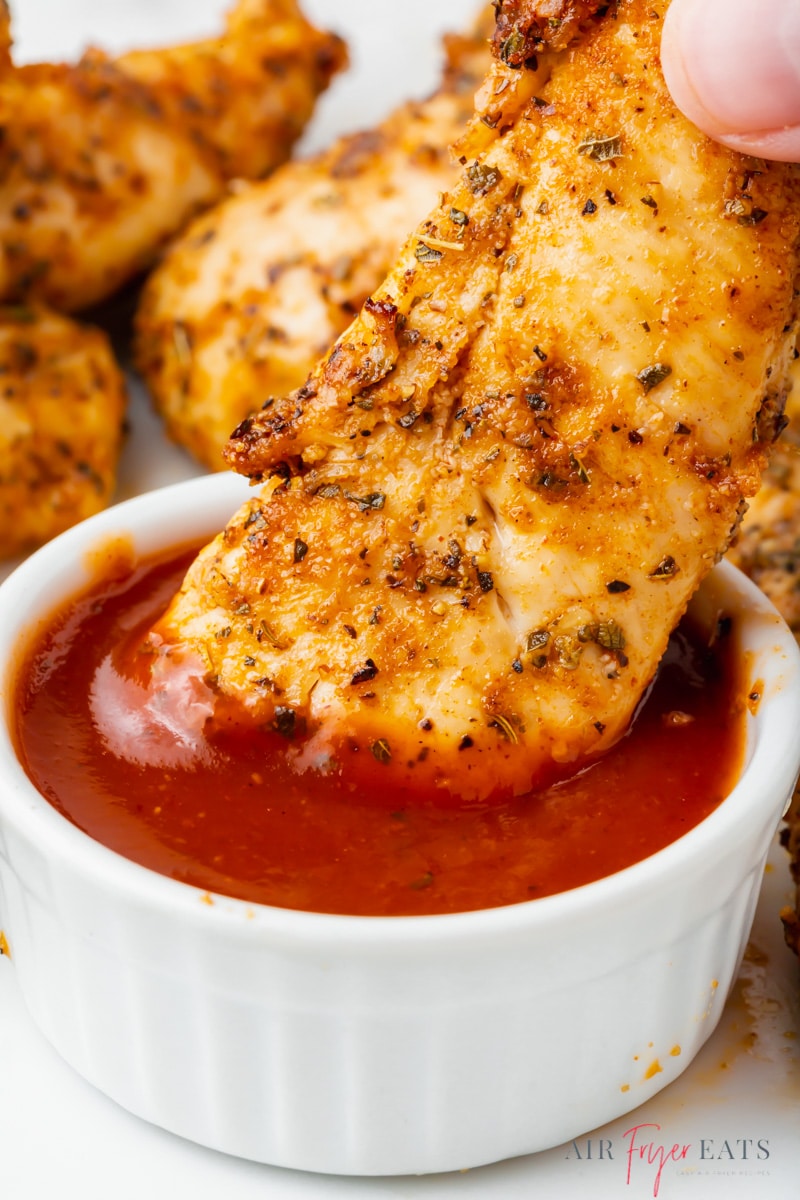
733,67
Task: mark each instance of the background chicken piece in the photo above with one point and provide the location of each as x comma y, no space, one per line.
491,502
104,161
767,549
5,36
62,403
790,838
767,546
260,286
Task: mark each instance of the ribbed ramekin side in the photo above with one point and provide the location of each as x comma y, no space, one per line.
432,1059
507,1075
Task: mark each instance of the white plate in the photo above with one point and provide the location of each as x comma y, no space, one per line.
736,1107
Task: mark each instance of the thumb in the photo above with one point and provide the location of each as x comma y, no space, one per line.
733,67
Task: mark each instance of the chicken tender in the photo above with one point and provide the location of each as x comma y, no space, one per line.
488,506
260,286
104,161
62,404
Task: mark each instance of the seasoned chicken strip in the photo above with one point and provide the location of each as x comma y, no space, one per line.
260,286
62,404
104,161
488,506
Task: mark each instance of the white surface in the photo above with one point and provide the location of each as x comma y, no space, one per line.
60,1138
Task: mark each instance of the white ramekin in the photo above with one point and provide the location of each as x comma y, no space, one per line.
378,1045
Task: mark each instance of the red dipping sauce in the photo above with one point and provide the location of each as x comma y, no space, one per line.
235,819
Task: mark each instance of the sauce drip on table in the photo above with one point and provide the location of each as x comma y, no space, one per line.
236,819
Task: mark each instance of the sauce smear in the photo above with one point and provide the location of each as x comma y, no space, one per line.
229,815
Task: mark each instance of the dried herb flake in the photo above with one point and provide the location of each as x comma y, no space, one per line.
653,375
427,254
381,751
601,149
512,48
266,631
610,636
374,500
482,179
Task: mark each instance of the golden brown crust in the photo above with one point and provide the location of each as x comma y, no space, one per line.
62,404
243,99
526,27
104,161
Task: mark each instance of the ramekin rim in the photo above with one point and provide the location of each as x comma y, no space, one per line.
765,773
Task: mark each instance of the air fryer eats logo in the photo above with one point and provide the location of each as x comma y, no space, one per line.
645,1153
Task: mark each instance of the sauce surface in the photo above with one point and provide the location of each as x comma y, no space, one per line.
234,818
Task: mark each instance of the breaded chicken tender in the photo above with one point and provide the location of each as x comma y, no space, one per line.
62,404
488,506
260,286
103,162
